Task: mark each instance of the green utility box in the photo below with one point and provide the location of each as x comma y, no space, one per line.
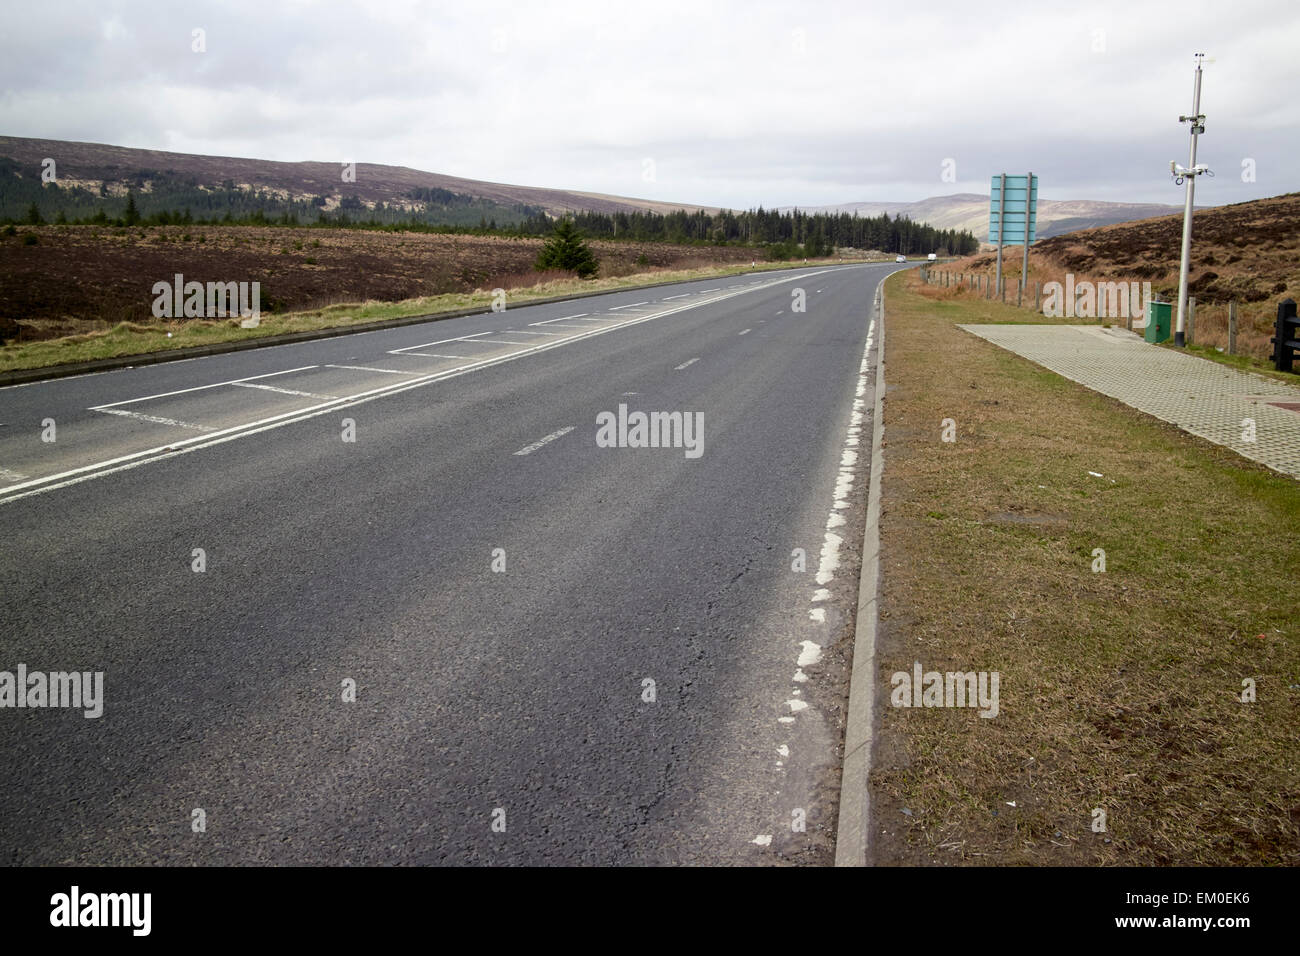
1158,315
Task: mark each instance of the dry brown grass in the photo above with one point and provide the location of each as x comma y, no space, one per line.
1119,690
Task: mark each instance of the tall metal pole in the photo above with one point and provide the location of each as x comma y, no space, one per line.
1197,128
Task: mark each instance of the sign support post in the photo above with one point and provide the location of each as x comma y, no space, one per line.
1023,213
1024,265
1002,215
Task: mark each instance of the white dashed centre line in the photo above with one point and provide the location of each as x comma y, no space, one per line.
685,364
630,305
745,332
529,449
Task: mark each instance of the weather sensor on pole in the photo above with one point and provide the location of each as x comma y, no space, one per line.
1188,173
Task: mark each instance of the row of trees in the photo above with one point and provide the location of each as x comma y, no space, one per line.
818,233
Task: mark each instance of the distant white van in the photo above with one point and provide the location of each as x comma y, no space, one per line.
932,257
900,258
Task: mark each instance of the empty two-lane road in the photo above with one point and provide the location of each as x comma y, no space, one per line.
393,598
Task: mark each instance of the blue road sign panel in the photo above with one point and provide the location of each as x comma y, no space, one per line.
1021,206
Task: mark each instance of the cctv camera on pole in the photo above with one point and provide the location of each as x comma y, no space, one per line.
1189,174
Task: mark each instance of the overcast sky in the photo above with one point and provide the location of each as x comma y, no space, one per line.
717,103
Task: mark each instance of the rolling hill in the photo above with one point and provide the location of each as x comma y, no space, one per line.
970,211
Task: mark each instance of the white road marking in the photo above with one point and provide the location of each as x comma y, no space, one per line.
75,476
153,419
529,449
630,305
500,342
199,388
283,391
747,331
8,475
573,326
459,338
436,355
367,368
685,364
563,318
811,653
526,332
669,298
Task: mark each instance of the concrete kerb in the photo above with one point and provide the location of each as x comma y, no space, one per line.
853,832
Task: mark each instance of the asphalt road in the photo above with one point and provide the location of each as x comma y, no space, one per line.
501,716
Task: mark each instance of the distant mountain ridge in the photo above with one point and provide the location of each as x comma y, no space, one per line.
93,164
970,211
98,166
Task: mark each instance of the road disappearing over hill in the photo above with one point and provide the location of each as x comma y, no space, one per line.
391,598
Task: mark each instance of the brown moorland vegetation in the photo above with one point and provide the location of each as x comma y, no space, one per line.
1248,253
78,279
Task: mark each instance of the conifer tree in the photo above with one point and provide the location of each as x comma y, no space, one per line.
566,249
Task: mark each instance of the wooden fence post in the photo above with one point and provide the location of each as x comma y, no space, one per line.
1232,327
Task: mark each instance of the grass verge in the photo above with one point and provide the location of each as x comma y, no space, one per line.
1120,691
1243,363
128,338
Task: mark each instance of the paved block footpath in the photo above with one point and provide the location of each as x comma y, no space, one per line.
1199,396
